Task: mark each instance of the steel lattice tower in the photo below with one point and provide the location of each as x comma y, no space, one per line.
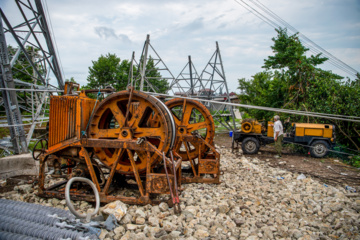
38,62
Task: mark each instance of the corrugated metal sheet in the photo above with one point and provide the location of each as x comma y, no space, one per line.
62,123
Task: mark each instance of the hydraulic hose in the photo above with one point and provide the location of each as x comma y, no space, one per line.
71,206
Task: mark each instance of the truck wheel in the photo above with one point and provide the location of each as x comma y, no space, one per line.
250,145
319,149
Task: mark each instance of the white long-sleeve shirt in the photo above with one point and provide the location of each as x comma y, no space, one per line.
278,127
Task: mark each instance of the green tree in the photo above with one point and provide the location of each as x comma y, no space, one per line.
160,84
72,79
108,70
299,84
22,69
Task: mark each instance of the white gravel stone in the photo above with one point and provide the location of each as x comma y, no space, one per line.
163,207
117,208
253,201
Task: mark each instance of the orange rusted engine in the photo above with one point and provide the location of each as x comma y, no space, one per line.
68,115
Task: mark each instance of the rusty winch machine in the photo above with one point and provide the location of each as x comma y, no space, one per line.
128,140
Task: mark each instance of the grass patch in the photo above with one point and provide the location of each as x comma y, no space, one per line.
4,132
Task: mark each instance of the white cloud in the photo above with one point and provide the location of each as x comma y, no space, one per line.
86,29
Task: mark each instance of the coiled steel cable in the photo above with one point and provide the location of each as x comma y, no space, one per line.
14,236
27,228
20,220
34,208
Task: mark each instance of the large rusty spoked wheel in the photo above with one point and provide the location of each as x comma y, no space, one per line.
191,118
108,122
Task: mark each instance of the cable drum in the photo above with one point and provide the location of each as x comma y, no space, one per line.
172,121
130,117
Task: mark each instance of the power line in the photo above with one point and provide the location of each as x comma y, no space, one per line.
295,112
53,33
275,21
326,53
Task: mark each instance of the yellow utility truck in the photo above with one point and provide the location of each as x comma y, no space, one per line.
318,138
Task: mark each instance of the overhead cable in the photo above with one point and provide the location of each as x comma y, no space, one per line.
275,21
302,113
335,61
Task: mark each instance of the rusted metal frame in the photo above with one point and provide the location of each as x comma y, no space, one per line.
112,172
148,171
217,158
217,154
118,143
56,185
177,201
190,138
179,168
73,142
168,180
136,173
42,173
159,153
197,178
90,167
131,90
182,116
192,163
199,158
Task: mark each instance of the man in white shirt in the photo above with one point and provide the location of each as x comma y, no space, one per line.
278,135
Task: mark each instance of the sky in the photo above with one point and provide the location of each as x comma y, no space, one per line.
86,29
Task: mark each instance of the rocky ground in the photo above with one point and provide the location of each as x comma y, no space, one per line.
254,201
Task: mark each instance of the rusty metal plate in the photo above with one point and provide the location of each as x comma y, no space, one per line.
157,183
209,166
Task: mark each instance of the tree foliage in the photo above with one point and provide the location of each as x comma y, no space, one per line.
159,84
293,80
22,69
109,70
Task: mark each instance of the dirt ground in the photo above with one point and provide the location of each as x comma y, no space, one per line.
328,170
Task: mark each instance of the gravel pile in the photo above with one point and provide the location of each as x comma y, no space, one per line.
254,201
